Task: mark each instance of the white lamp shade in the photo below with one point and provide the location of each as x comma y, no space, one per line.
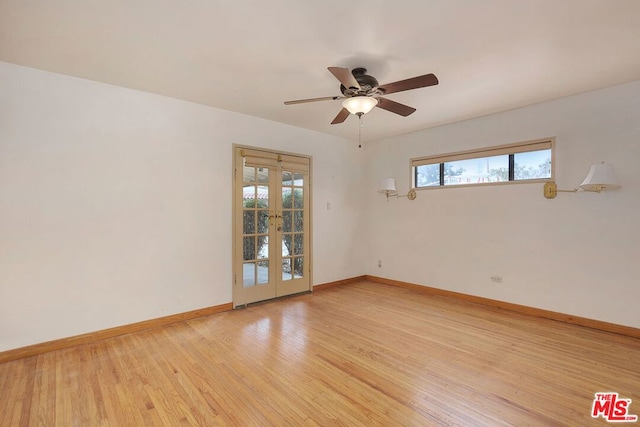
359,104
600,176
388,185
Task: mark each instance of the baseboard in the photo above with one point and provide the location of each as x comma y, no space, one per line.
339,283
538,312
91,337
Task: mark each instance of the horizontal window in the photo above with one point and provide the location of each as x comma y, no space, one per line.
516,162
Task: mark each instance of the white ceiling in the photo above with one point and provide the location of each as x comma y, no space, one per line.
250,56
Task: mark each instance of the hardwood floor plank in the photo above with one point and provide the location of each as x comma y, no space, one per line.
27,397
361,354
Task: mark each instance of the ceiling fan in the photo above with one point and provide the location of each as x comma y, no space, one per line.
362,92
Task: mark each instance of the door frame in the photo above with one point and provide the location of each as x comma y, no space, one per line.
236,281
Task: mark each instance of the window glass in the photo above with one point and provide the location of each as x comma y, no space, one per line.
532,165
477,171
428,175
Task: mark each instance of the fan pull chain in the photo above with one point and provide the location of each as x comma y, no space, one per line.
360,130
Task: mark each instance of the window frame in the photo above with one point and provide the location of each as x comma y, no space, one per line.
506,149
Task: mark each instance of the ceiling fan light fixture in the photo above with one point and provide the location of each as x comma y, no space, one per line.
359,104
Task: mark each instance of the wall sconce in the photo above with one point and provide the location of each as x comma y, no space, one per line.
389,190
600,177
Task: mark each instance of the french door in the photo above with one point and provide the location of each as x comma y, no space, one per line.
271,225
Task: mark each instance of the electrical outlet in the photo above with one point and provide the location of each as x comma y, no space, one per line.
379,263
496,279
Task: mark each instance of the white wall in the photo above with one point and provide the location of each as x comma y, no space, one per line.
577,254
115,205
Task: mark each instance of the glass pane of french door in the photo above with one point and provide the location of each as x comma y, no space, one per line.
255,226
292,225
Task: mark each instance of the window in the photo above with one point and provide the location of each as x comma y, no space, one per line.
525,161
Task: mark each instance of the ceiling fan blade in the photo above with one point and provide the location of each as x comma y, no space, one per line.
302,101
345,77
341,117
395,107
408,84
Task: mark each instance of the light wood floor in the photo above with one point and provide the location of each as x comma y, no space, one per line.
361,354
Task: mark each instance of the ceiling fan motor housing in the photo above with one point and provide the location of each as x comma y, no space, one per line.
368,84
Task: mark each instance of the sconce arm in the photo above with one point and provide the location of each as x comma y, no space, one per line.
411,195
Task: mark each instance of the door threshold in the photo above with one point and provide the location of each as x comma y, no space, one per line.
251,304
